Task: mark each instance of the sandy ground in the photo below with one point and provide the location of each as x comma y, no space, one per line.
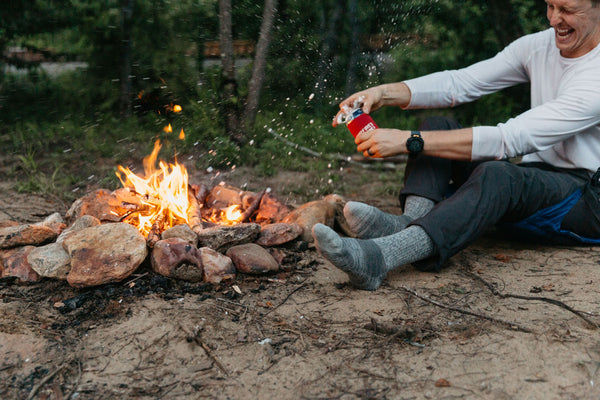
504,320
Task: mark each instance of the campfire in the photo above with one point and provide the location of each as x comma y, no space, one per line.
182,230
163,193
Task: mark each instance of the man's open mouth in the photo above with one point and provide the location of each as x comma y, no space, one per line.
564,32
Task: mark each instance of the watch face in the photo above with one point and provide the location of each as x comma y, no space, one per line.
415,144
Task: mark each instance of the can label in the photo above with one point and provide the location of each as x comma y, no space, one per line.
360,122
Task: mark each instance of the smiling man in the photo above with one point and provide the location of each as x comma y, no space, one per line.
459,182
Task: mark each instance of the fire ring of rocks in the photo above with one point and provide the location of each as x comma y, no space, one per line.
95,243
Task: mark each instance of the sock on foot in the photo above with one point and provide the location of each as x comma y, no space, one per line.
368,222
360,259
367,262
405,247
417,206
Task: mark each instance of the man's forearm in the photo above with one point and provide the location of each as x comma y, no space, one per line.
454,144
395,94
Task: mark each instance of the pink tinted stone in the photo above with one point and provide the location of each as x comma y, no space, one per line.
278,233
14,263
217,267
28,234
178,259
251,258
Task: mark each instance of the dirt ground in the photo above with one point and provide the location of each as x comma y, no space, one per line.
504,320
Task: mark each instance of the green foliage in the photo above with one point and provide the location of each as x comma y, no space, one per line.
63,129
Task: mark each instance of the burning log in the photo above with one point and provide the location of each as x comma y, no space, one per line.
155,231
253,207
193,212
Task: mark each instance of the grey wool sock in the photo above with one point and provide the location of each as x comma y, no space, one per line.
367,262
417,206
368,222
405,247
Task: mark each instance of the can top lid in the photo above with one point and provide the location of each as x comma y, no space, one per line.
349,113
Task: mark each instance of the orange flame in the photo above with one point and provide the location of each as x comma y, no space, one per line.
227,216
164,193
181,135
233,214
168,129
177,108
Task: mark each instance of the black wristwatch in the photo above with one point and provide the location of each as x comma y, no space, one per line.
415,143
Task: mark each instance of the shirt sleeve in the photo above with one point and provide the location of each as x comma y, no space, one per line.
573,112
453,87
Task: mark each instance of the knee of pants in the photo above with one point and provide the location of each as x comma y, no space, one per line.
494,171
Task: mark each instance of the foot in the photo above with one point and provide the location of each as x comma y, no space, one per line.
368,222
362,260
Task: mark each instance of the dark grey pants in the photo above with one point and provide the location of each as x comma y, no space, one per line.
472,197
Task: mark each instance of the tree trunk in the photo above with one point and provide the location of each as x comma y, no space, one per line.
260,62
326,54
125,96
230,94
355,49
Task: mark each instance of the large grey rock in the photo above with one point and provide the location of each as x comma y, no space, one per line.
104,254
221,238
85,221
50,261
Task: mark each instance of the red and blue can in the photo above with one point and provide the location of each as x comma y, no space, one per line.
358,121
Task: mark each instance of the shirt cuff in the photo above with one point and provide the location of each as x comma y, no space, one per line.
428,92
487,144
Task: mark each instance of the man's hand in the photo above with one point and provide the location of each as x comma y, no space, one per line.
380,143
369,100
391,94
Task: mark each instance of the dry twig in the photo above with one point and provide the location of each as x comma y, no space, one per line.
286,298
197,338
558,303
509,324
37,387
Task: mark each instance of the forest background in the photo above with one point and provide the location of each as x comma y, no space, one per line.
251,77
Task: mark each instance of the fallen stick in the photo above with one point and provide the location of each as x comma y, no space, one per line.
37,387
196,338
558,303
509,324
339,157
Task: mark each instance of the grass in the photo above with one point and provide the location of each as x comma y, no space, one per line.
55,144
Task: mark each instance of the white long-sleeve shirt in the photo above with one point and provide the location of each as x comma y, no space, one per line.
562,128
